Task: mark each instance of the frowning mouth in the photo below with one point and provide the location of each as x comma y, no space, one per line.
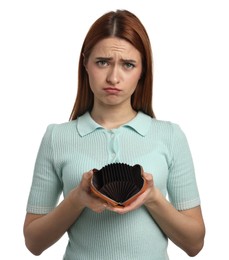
110,90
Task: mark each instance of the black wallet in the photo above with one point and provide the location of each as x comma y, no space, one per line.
118,183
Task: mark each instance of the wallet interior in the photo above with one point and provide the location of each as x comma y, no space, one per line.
118,183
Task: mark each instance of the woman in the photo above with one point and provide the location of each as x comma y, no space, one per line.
112,121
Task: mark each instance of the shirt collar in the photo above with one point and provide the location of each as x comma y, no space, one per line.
86,125
140,124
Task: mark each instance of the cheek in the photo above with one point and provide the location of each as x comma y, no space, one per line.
96,80
133,79
95,75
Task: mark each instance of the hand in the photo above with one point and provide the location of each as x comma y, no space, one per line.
83,197
144,199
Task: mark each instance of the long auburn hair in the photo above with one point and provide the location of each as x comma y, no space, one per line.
125,25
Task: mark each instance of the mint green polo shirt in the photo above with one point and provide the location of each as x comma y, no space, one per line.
68,150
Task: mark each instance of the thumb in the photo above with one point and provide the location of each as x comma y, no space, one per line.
86,179
148,177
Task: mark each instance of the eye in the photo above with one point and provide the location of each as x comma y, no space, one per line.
129,65
102,63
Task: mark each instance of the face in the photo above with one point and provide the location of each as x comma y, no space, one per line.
114,68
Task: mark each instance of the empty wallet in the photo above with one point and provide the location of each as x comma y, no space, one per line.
119,184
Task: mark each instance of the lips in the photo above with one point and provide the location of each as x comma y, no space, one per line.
110,90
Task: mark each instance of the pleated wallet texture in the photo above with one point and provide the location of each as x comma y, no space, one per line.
119,184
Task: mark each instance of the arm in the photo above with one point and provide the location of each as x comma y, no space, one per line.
185,228
42,231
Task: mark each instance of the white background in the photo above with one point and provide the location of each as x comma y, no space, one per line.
40,43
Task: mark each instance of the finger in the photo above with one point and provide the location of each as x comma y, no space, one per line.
133,206
97,205
137,203
87,175
123,210
149,178
86,179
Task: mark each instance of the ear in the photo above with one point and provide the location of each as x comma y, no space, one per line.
84,61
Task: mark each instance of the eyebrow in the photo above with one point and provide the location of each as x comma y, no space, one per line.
110,59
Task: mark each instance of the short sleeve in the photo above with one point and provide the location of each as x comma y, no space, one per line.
46,185
182,187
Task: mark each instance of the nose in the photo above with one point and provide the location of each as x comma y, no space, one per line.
113,76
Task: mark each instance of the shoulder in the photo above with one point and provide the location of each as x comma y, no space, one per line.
166,131
61,129
165,127
145,124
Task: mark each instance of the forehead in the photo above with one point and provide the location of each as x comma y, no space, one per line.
110,47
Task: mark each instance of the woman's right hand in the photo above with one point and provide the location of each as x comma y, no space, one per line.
81,196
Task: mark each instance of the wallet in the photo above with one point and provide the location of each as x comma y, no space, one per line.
119,184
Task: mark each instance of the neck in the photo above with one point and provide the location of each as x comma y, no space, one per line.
112,117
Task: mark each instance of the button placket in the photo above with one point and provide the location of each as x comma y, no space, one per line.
113,145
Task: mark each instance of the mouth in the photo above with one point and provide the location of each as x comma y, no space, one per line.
110,90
